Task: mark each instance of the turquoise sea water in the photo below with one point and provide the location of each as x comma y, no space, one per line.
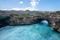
28,32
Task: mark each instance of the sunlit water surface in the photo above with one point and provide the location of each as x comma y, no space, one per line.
28,32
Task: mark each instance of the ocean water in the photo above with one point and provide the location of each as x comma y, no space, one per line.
29,32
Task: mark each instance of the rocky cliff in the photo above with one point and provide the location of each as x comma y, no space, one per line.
30,17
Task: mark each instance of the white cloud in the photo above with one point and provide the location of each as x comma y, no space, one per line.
30,8
3,9
34,3
21,2
17,9
27,8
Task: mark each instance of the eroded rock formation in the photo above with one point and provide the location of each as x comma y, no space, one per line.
30,17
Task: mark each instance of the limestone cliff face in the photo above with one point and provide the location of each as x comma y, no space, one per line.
57,24
30,17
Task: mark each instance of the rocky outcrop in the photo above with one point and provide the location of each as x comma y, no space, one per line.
30,17
4,21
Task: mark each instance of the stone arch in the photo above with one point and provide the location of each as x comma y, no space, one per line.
40,19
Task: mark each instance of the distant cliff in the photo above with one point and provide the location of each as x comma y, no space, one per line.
29,17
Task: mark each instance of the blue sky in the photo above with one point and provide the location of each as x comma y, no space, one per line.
43,5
